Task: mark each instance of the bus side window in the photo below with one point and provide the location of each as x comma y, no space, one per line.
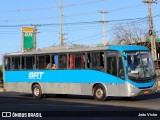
56,61
79,61
102,59
17,63
84,60
97,61
62,61
13,63
48,62
30,62
88,60
7,63
23,63
41,62
71,61
112,65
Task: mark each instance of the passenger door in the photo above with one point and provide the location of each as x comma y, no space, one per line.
112,68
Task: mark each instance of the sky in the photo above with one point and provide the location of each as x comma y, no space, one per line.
80,20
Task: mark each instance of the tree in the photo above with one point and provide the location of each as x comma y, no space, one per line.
130,34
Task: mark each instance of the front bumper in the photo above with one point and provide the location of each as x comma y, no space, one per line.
134,91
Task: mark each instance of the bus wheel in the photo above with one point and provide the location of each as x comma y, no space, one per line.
36,91
99,93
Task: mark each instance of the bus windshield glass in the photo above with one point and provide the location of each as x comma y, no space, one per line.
140,65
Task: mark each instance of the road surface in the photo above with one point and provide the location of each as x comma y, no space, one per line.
51,105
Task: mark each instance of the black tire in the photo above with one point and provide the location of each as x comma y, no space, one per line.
37,92
99,93
61,95
44,95
127,98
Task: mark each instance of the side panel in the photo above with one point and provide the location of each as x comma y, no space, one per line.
51,88
60,88
17,87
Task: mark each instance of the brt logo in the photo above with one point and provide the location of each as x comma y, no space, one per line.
35,75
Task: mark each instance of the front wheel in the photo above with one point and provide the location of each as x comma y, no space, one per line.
36,91
99,93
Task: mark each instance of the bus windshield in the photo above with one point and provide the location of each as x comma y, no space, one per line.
140,65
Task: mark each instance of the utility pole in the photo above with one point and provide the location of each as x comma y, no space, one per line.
61,15
61,33
104,26
151,31
35,35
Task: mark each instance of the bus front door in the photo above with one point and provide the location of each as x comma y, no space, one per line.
112,67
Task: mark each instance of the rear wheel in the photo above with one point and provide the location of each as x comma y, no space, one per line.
36,91
99,93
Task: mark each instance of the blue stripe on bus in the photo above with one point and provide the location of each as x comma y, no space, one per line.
67,76
74,76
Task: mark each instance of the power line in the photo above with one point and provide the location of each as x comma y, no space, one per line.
28,9
84,3
55,17
124,8
48,8
80,23
91,36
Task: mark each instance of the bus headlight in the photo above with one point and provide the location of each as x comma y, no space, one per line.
132,86
155,85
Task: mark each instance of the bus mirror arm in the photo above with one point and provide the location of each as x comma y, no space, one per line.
126,69
125,56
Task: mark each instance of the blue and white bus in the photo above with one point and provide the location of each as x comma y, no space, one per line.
124,71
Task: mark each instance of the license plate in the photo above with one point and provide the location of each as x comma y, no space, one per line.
146,92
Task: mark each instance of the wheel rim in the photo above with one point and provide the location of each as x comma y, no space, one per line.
36,91
99,93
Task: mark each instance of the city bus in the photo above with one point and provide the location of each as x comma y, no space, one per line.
100,71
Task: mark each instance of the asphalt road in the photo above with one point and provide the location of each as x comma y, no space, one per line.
12,101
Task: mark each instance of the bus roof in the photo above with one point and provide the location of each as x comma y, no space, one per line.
65,49
122,48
